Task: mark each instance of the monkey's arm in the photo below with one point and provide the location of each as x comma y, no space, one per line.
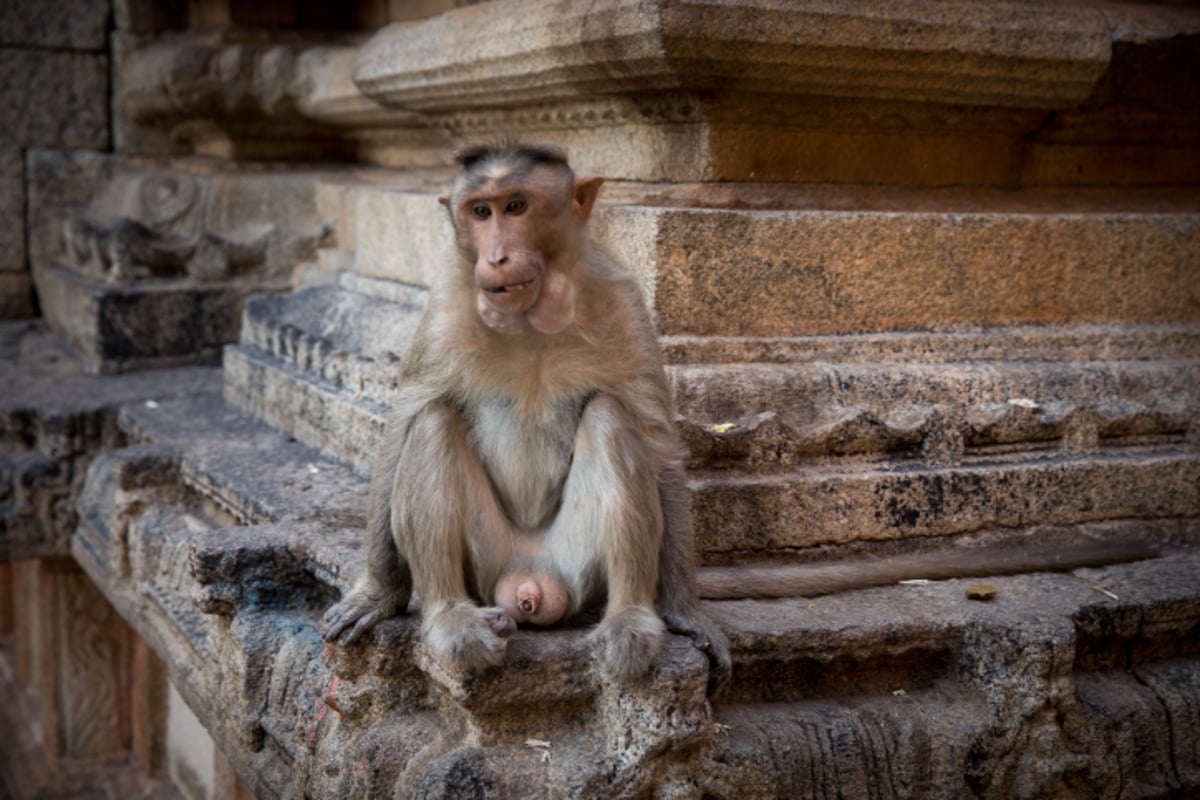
811,580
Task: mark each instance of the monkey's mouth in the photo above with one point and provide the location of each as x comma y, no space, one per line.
511,288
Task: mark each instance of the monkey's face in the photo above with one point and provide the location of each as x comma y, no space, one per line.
514,224
510,261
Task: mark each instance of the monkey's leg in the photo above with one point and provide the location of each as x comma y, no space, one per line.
606,538
385,586
449,525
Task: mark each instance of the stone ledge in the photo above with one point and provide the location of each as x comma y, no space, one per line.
1026,55
863,444
119,328
701,90
53,421
792,263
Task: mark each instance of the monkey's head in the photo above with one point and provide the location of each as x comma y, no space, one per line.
518,213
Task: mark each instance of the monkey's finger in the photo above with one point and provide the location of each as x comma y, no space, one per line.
335,622
364,624
501,623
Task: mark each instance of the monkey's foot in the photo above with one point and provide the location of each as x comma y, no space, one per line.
628,642
363,608
468,637
708,638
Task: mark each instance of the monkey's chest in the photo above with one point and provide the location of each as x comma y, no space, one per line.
527,458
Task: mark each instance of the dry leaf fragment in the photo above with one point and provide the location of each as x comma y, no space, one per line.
981,591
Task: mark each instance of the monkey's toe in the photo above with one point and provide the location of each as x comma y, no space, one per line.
500,622
463,636
628,643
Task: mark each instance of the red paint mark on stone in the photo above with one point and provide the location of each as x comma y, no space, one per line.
331,696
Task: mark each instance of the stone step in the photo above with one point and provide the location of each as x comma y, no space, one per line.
758,261
786,400
796,456
53,420
798,514
228,538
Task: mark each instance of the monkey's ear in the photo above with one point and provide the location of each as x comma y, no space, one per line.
583,195
444,200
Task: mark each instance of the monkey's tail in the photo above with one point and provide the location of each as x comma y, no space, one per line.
811,580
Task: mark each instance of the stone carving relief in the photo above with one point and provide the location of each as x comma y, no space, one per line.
173,224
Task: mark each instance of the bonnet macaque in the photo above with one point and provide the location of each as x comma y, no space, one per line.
534,422
531,469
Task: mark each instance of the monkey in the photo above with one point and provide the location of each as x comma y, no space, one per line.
534,420
531,470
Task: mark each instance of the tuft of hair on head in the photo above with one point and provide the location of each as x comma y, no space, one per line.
474,155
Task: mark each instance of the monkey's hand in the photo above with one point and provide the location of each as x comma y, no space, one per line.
467,637
366,605
628,642
709,639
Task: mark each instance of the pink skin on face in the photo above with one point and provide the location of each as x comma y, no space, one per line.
519,287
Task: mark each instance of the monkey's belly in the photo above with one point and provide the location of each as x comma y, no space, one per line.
526,458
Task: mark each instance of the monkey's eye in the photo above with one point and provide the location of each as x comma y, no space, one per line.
515,207
481,211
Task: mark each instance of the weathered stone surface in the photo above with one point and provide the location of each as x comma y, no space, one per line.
979,269
16,295
906,93
852,260
903,92
520,54
54,421
116,328
12,211
1002,430
237,99
57,24
148,16
49,98
61,185
54,98
152,262
948,696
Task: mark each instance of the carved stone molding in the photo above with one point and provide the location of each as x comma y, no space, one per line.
519,52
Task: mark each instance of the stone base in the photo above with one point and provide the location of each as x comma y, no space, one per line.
936,695
119,328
